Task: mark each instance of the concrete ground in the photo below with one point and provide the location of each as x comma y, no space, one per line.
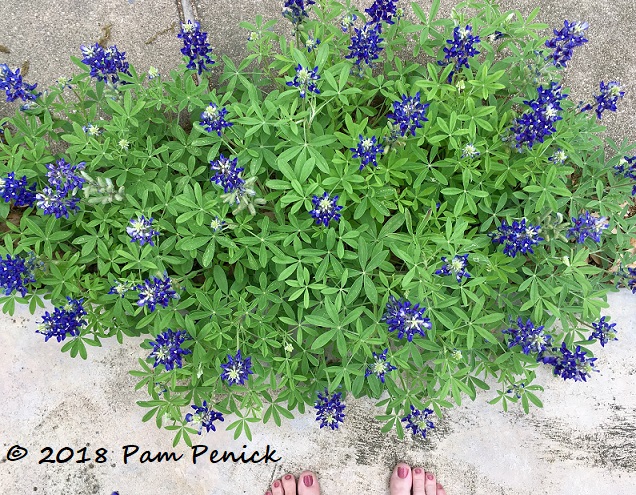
581,442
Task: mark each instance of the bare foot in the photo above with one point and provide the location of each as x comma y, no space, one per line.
307,484
407,481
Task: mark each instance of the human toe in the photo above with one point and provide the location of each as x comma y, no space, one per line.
401,480
430,484
440,489
308,484
289,484
277,488
419,478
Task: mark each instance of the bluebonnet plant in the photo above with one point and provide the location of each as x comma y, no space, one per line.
587,226
570,365
603,331
303,80
325,209
329,409
558,157
409,114
365,46
405,319
213,119
536,124
237,369
92,129
470,151
311,43
294,11
382,10
14,87
157,291
141,230
15,272
380,366
63,176
367,150
568,37
227,175
17,190
462,46
418,421
204,416
630,275
65,321
105,63
607,99
517,238
456,267
121,288
167,350
528,337
347,21
196,47
627,167
54,203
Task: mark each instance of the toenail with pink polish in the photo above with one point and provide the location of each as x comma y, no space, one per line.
308,480
276,484
429,476
417,470
288,477
439,485
402,472
268,493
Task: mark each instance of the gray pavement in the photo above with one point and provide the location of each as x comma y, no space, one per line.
581,442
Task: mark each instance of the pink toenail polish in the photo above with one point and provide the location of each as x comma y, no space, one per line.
268,493
429,476
417,470
308,480
402,472
288,477
276,484
439,485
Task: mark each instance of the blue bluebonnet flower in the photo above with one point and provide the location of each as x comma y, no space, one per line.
294,11
311,43
516,390
237,369
381,10
418,421
409,113
607,100
627,167
603,331
53,203
303,80
329,409
153,72
558,157
461,47
380,367
167,350
17,190
570,365
630,275
65,321
213,119
568,37
367,149
120,288
365,46
517,238
347,21
470,151
105,62
196,47
405,319
204,416
217,224
227,175
528,337
495,36
13,86
157,291
587,226
456,267
539,122
141,230
17,271
325,209
63,176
